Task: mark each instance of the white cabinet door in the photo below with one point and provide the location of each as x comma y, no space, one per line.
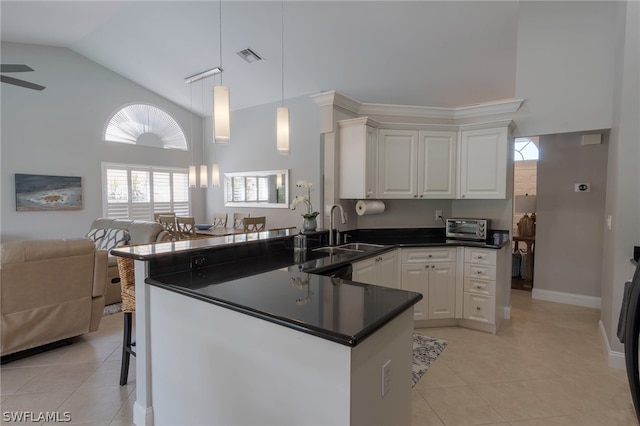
483,163
358,159
437,164
415,277
364,271
387,269
442,290
397,165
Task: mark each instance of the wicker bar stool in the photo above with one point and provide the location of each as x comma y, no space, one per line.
128,291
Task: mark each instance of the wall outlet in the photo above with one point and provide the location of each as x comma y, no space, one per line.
438,214
386,377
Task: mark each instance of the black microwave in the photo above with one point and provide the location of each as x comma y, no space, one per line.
468,229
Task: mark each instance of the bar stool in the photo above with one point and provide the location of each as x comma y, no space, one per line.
128,292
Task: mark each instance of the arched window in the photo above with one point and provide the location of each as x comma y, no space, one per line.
525,149
145,125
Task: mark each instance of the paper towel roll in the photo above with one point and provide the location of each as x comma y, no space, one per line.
369,207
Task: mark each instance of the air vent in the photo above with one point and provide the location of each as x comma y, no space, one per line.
249,55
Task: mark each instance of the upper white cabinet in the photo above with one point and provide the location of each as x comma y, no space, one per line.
416,164
358,158
398,164
467,162
483,163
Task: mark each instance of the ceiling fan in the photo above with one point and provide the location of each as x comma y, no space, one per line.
9,68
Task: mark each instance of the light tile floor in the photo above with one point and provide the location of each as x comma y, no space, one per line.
545,367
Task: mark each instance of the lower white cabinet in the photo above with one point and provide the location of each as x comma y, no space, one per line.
479,299
431,272
378,270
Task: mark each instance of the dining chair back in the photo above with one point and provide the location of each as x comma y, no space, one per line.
186,227
169,224
220,220
237,220
254,224
156,216
128,292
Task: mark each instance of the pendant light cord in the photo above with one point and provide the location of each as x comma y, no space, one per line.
220,26
282,45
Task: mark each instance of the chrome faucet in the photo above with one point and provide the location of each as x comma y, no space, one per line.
343,220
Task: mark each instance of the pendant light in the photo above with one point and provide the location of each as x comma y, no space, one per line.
282,113
204,178
221,125
192,168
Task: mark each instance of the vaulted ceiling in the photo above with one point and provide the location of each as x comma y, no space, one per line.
431,53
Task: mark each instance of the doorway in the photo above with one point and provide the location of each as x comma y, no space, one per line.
525,177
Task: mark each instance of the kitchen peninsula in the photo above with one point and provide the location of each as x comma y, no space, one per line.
240,330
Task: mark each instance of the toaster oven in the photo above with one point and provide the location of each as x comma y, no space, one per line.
468,229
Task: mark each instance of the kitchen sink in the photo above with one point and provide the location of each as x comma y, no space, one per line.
350,247
360,246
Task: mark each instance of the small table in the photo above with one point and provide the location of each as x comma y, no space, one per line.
530,242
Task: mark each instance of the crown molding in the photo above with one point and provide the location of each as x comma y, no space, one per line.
335,99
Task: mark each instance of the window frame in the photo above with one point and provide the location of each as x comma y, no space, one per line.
153,206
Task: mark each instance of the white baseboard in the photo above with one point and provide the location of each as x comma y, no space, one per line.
566,298
142,415
615,359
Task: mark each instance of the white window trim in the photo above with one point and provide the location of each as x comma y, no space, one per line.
140,167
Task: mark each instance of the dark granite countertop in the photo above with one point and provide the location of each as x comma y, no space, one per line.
296,299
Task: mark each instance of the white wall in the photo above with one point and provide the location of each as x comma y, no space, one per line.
253,147
568,251
623,179
564,66
58,131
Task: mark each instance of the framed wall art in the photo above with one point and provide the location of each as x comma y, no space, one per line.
44,192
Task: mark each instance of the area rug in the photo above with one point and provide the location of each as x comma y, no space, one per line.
425,351
112,309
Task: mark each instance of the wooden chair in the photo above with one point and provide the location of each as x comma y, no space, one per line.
254,224
169,224
186,227
220,220
156,216
128,292
237,220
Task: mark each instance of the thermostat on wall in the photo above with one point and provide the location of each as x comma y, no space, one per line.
582,187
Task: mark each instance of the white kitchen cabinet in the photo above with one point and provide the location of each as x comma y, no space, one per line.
484,155
480,285
397,164
358,159
416,164
378,270
431,272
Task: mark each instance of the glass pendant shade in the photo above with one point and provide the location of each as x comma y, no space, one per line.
192,176
215,175
282,130
221,125
204,178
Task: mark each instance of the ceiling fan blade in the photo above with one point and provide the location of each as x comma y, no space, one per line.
21,83
15,68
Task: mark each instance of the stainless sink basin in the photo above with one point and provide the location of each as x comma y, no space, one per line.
360,246
337,250
350,247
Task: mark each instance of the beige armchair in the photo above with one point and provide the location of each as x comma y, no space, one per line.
50,290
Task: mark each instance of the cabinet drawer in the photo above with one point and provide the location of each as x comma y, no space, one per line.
485,272
479,308
483,256
479,286
428,255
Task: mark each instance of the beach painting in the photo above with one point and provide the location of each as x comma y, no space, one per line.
44,192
